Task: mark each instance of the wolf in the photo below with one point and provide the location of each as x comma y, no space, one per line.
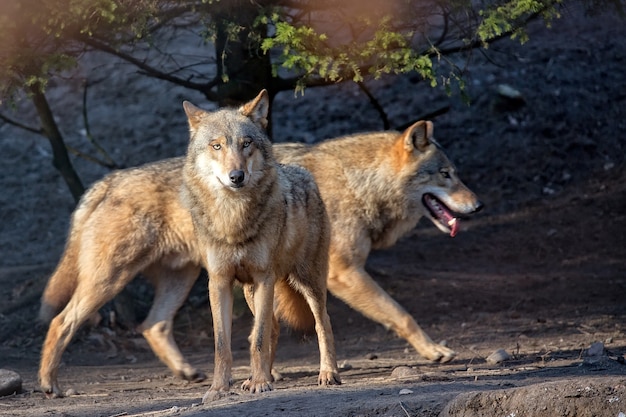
134,221
258,223
375,186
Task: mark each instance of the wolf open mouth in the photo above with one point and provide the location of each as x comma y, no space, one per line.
441,213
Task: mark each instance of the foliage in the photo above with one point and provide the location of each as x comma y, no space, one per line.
386,52
394,37
275,44
511,16
41,37
324,41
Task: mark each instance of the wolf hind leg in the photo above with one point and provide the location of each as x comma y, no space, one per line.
86,300
171,290
261,337
314,293
248,292
358,289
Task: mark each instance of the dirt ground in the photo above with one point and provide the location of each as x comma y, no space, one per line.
540,273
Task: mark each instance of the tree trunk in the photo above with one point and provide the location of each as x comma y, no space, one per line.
242,65
61,159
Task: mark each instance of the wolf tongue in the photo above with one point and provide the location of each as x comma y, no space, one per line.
454,226
451,221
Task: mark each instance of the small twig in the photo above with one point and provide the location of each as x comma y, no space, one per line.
376,105
90,158
425,116
108,161
404,409
20,125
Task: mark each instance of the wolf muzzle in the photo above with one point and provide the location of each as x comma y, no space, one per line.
236,178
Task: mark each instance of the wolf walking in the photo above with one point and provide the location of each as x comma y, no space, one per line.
376,187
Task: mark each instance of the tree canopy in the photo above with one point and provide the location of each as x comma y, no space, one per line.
246,45
322,41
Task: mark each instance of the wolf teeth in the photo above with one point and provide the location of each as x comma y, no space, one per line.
452,222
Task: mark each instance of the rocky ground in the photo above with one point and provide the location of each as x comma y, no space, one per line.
540,273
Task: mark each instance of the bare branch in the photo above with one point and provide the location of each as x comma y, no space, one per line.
151,71
90,158
376,104
20,125
108,162
425,116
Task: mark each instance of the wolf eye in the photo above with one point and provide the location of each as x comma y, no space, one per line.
246,143
216,146
444,173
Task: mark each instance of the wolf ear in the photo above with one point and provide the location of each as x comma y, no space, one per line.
418,135
257,109
194,115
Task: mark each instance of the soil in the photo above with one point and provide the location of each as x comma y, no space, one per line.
540,273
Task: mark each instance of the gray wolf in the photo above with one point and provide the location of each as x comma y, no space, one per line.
375,186
134,221
258,223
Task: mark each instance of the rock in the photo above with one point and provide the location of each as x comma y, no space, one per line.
405,391
507,99
404,372
581,397
276,375
509,92
10,382
498,356
596,349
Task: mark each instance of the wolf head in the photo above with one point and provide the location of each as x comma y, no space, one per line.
434,186
229,147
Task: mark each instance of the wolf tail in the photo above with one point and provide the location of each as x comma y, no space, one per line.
292,308
60,287
63,282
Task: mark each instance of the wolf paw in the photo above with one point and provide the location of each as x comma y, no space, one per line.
51,391
256,386
192,375
439,353
328,378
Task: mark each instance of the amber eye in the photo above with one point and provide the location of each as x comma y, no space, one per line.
217,146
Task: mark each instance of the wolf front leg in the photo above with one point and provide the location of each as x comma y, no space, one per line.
248,291
261,337
221,299
352,284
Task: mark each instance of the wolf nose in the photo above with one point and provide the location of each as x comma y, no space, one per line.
479,206
236,176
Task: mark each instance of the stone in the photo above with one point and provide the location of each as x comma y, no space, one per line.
10,382
596,349
498,356
404,372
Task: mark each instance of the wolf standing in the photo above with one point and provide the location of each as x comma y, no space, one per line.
258,223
